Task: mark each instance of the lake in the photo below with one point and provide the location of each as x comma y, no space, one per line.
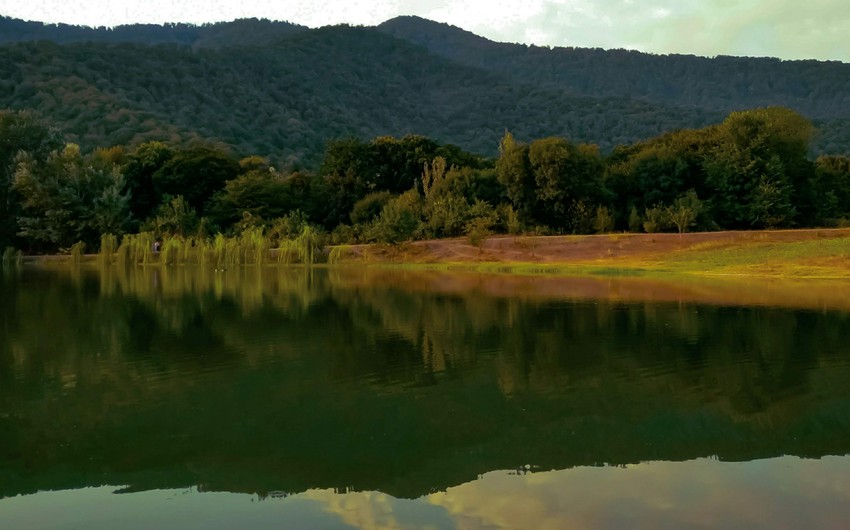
367,398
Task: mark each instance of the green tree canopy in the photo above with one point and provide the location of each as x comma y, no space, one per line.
20,132
141,165
196,173
69,198
565,176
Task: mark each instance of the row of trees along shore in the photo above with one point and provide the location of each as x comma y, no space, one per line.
752,171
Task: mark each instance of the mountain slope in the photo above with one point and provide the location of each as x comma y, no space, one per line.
816,88
282,90
288,99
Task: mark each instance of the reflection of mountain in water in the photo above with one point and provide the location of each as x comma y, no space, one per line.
285,381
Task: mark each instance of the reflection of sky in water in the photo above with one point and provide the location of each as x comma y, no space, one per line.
785,492
776,493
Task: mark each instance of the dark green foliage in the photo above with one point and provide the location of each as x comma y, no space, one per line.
241,32
513,169
263,193
175,217
270,88
831,186
760,161
196,173
142,164
19,132
69,198
352,169
369,207
568,178
473,184
399,219
753,170
821,90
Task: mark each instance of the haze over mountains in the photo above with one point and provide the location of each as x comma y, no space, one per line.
283,90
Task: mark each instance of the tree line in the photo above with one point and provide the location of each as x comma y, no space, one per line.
752,171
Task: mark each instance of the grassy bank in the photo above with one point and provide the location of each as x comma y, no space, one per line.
787,253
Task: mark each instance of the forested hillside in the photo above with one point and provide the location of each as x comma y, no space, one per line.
817,89
237,33
283,91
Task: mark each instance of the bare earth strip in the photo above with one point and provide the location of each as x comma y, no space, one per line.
815,253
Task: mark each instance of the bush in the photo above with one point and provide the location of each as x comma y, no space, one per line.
655,219
635,221
369,207
508,220
344,235
604,221
398,221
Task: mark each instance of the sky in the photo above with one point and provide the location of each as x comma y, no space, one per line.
788,29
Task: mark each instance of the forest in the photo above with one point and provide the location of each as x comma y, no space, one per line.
753,170
285,90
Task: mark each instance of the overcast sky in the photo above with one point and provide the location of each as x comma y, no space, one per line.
790,29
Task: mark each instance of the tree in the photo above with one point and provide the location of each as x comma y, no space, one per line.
513,169
139,170
196,173
20,132
263,193
770,202
69,198
684,211
399,219
174,217
565,175
658,171
761,155
604,221
831,187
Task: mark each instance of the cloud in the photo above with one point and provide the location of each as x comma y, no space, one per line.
781,28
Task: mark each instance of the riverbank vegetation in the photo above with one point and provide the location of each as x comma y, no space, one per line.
202,204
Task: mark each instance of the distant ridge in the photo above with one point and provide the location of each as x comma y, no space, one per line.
820,89
242,32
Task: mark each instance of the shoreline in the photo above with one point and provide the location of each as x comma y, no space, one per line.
804,253
822,254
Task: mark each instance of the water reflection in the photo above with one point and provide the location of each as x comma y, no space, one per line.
779,493
405,383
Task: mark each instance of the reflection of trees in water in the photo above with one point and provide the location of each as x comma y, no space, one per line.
307,368
747,360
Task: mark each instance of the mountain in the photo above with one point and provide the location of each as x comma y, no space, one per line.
283,91
816,88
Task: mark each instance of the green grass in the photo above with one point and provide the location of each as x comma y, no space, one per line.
799,258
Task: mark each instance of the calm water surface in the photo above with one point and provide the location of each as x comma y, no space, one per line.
186,398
